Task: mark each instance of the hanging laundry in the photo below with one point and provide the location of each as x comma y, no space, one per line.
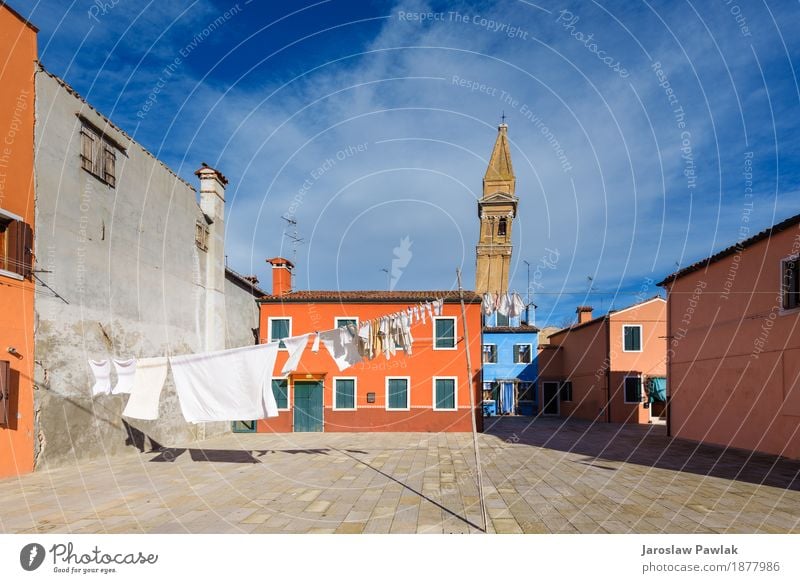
503,304
437,309
125,372
489,304
146,391
406,340
101,369
342,345
364,340
226,385
516,306
416,314
295,345
429,309
315,345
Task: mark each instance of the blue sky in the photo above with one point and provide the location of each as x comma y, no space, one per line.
368,125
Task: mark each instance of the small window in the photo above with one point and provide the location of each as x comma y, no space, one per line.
280,328
444,333
565,391
280,389
501,319
633,390
791,284
16,243
109,165
344,322
397,396
522,354
4,243
201,235
444,394
489,354
502,225
344,393
632,338
98,156
527,391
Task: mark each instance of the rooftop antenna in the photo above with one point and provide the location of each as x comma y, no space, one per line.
389,277
295,238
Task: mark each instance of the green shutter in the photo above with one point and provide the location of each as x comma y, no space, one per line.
398,394
633,338
345,394
445,394
280,329
280,388
445,333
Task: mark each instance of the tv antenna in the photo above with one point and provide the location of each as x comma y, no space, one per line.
290,232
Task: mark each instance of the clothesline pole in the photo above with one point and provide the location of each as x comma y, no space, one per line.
471,391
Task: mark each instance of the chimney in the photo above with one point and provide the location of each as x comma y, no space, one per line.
281,275
584,314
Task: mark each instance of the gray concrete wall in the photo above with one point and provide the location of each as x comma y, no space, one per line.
132,280
242,313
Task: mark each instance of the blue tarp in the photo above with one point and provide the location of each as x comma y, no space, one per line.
658,389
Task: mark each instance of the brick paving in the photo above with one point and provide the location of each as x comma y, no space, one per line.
545,476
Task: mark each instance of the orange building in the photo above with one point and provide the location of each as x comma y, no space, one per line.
18,47
611,368
427,390
734,349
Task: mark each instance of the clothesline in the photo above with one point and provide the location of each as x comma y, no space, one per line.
506,304
235,384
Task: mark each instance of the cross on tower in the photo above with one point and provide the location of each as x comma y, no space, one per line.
503,117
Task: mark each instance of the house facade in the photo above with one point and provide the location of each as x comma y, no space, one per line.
734,345
427,390
509,367
611,368
17,284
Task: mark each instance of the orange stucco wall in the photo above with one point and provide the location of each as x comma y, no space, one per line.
734,354
18,50
421,366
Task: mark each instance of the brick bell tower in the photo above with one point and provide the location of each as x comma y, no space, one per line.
496,210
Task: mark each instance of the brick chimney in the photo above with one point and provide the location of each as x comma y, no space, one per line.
281,275
584,314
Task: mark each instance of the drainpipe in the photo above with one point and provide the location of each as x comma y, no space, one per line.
667,411
608,369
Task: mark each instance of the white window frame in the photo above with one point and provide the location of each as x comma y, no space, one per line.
408,393
455,332
455,392
785,310
641,389
355,393
288,392
641,337
269,328
529,345
496,358
337,318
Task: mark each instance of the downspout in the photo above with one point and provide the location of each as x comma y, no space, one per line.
608,368
669,364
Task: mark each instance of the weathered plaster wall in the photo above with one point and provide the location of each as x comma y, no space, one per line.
242,314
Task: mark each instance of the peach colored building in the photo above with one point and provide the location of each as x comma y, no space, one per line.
427,390
607,368
18,47
734,349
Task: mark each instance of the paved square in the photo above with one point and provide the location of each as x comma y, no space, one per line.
545,476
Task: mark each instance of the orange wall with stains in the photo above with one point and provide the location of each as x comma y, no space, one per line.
18,50
421,366
734,353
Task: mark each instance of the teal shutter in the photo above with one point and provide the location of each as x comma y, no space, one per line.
280,388
345,394
398,394
280,329
633,338
445,331
445,394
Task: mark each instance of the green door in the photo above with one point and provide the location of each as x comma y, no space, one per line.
307,406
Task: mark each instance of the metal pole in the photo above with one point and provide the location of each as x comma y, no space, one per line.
472,405
528,303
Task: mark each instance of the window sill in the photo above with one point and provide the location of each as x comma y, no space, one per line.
11,275
344,408
404,409
100,178
444,410
789,311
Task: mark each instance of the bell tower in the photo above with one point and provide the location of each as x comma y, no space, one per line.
496,210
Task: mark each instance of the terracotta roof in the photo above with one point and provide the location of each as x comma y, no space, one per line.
523,329
765,234
604,316
372,296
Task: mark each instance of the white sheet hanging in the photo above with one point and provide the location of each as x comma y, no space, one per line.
147,385
227,385
101,369
489,303
296,345
516,306
503,304
342,345
126,369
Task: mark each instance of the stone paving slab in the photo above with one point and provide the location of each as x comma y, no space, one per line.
540,476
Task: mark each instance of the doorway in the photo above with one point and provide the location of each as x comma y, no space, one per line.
550,405
307,406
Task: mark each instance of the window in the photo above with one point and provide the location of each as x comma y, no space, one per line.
565,391
527,391
501,319
397,395
790,270
523,353
201,235
633,389
280,328
632,338
344,322
444,333
16,243
489,354
444,393
98,156
344,393
280,389
501,227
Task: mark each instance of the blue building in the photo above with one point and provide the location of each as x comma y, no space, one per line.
510,367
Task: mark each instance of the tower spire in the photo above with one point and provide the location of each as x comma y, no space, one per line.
499,175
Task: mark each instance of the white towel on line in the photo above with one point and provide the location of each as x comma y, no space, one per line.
126,369
101,369
227,385
343,346
295,345
151,373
